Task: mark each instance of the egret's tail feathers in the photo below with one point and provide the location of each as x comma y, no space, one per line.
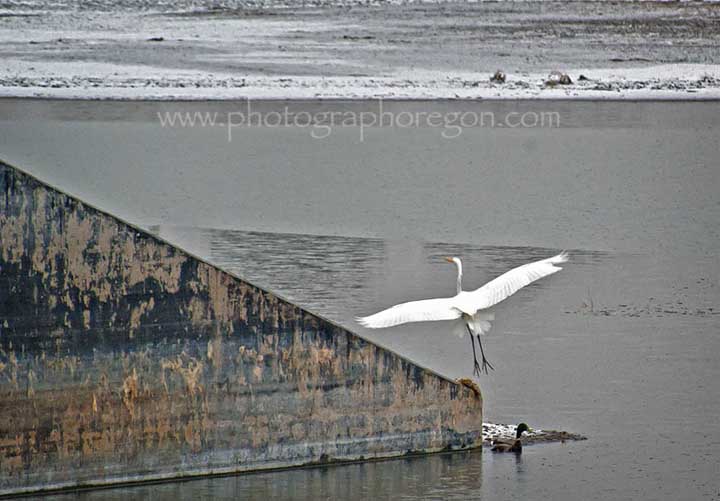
481,321
459,328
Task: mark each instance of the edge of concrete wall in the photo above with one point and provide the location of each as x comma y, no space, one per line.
126,359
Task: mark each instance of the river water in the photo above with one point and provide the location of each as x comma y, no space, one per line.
620,346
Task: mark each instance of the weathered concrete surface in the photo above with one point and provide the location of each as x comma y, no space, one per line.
122,358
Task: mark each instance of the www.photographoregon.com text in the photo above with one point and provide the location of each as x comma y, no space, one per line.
321,124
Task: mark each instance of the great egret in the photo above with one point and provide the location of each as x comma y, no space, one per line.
472,306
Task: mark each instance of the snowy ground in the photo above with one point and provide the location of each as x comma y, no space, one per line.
494,431
112,81
222,49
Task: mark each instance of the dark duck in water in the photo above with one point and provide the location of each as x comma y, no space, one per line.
514,446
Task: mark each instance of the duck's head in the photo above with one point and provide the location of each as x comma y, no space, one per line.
522,428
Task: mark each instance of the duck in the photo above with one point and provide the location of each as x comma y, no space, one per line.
516,445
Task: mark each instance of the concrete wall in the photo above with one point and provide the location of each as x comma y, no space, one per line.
122,358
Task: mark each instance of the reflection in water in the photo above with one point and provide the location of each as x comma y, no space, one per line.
321,273
436,477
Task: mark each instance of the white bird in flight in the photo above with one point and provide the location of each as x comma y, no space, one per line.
472,306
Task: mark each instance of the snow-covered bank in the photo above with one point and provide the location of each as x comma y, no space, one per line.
135,49
74,80
495,431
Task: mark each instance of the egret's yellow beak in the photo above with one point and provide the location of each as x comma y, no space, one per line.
449,260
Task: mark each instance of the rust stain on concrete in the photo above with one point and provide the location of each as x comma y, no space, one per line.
123,358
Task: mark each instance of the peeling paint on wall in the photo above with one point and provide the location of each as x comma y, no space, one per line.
122,358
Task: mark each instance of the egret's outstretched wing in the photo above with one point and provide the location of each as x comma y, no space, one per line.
508,284
414,311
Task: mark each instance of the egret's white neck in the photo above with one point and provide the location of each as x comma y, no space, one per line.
458,263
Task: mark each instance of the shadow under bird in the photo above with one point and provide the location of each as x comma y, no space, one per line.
514,446
473,307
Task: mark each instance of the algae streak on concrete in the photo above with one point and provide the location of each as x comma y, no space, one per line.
123,358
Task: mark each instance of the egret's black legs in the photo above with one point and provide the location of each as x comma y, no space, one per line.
485,363
476,369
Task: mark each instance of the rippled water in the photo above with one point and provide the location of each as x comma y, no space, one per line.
620,346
